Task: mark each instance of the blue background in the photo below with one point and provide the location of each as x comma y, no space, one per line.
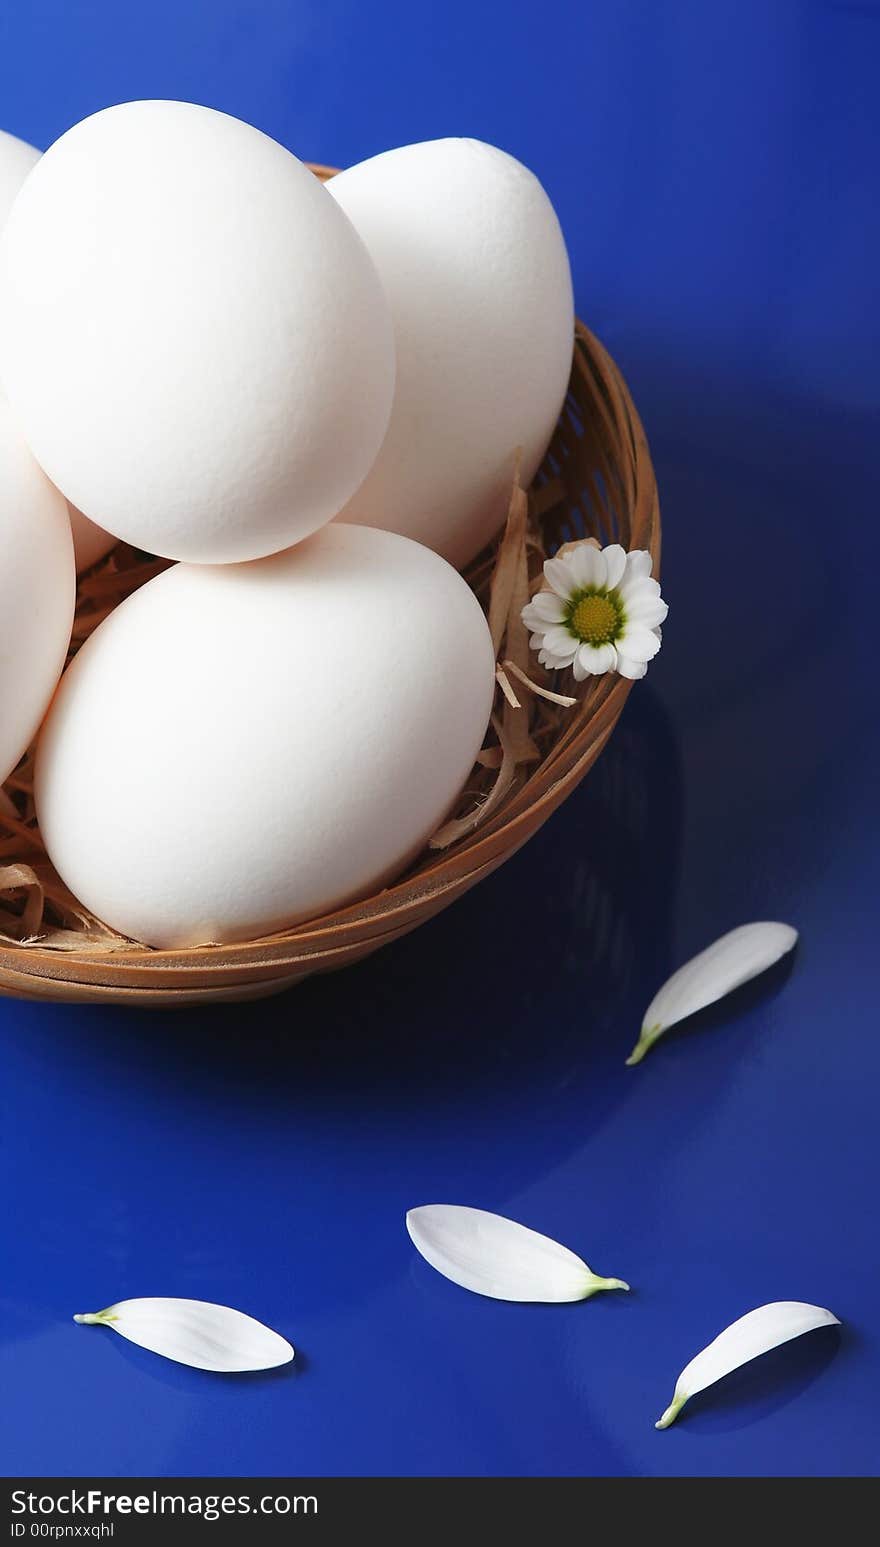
714,167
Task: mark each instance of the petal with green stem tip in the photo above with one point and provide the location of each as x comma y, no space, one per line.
195,1332
754,1334
737,957
494,1256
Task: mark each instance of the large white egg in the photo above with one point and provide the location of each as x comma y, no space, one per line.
474,265
192,334
37,589
16,160
238,748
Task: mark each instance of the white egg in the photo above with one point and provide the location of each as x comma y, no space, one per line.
474,264
37,588
90,542
192,334
238,748
16,160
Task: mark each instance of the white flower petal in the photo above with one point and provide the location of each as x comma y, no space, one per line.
638,585
648,612
587,567
727,964
615,564
639,562
495,1256
195,1332
560,642
545,608
636,594
632,670
555,662
754,1334
638,643
559,577
595,660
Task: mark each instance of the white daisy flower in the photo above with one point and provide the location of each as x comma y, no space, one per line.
602,612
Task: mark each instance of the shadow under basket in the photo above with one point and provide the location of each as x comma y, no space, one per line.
596,481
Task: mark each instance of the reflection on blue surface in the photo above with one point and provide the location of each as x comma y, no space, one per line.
713,167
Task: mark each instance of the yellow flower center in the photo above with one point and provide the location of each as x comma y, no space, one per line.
595,619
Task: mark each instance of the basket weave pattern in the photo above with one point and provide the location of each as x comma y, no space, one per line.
596,480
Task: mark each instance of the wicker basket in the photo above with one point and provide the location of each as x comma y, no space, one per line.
597,480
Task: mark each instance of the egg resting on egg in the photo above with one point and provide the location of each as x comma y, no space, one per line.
474,264
37,590
192,334
239,748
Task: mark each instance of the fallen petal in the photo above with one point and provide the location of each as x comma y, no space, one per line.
731,961
754,1334
195,1332
494,1256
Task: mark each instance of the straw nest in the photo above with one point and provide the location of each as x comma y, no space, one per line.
596,482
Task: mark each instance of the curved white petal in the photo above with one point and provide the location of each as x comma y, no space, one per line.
646,611
615,564
597,659
558,576
727,964
638,643
494,1256
587,567
633,670
552,660
560,642
753,1334
638,586
639,562
195,1332
546,606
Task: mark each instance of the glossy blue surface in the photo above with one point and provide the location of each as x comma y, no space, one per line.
715,169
